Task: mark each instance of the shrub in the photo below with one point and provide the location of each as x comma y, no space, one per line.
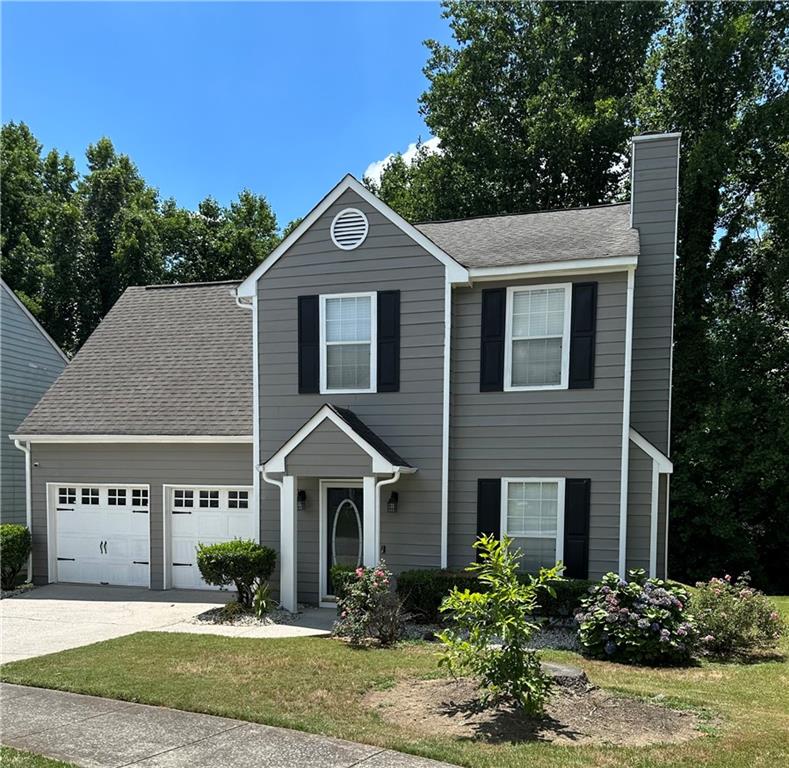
15,543
643,621
241,562
491,629
369,610
341,577
734,618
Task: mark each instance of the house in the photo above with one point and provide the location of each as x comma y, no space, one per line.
29,362
377,389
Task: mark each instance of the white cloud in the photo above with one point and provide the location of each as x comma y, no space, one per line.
375,169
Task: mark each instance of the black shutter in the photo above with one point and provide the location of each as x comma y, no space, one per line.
489,507
388,341
583,325
576,528
491,358
308,344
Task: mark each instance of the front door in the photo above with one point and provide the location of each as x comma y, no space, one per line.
344,515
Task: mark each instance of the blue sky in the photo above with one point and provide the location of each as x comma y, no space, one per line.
209,98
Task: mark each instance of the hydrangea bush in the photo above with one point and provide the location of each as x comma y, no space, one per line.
642,621
369,609
734,618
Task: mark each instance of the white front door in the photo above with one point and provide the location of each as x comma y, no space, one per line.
101,534
204,515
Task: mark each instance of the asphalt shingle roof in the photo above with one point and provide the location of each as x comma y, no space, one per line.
532,238
169,360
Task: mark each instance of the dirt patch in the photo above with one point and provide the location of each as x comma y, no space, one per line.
594,716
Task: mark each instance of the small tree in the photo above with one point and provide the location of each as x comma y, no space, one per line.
491,631
15,543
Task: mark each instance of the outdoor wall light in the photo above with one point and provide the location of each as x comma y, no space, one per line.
391,505
301,501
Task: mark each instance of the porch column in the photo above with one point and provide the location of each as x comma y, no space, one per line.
287,544
371,546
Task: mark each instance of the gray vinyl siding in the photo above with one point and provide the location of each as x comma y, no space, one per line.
307,536
557,433
662,543
131,464
639,509
654,214
409,420
28,366
328,452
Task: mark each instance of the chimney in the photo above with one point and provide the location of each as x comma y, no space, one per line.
654,199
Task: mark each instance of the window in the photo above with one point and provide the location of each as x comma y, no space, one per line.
116,497
537,352
140,497
183,498
533,514
90,495
67,495
238,499
209,499
348,352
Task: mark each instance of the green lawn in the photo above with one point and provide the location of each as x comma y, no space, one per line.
13,758
315,684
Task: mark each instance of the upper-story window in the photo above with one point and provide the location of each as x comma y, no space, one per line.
348,343
537,346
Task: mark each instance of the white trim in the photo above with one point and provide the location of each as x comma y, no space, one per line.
371,549
288,550
665,543
323,585
28,505
565,373
35,322
255,419
664,464
560,482
445,424
364,236
655,137
456,272
134,438
322,342
52,550
554,268
380,465
625,461
653,521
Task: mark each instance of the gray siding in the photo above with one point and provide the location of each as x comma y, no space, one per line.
308,535
408,420
663,485
654,214
155,465
639,509
558,433
28,367
328,452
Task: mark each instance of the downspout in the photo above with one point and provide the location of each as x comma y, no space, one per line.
625,468
378,487
25,448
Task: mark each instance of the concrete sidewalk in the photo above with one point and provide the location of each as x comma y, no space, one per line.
105,733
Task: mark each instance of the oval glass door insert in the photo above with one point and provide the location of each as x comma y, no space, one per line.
346,535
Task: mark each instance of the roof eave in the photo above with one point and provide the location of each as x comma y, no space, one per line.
554,268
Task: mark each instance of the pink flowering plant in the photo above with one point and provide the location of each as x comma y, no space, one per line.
638,620
369,610
735,619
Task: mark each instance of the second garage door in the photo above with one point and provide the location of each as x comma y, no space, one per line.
204,515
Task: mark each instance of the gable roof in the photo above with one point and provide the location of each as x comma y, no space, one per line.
166,360
35,323
534,238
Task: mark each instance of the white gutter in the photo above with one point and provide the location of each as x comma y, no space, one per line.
378,487
445,422
25,448
625,467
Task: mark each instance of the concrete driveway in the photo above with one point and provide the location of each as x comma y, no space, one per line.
61,616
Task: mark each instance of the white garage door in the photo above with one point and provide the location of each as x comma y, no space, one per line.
203,515
101,534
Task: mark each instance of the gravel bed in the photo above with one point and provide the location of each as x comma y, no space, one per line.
20,590
217,616
556,638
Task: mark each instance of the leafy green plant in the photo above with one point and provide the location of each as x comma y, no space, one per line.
341,577
642,621
734,618
15,543
241,562
369,609
490,631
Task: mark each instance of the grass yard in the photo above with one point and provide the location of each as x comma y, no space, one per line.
316,684
13,758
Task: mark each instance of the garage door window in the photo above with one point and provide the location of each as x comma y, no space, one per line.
238,499
67,495
116,497
183,499
209,499
90,495
140,497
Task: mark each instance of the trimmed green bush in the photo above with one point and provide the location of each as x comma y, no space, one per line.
241,562
341,578
423,590
15,544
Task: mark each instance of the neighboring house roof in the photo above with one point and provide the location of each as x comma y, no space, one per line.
532,238
166,360
33,320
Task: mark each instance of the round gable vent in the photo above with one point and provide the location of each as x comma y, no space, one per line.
349,228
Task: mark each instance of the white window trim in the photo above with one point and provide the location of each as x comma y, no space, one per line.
560,481
324,390
563,384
